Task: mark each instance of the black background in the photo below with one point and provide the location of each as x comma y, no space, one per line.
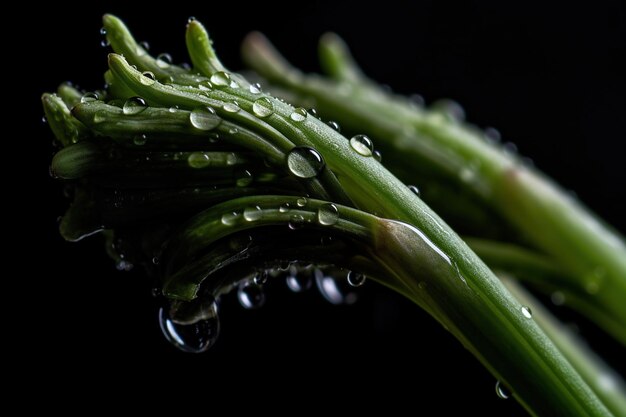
550,78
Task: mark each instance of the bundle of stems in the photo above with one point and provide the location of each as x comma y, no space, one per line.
213,184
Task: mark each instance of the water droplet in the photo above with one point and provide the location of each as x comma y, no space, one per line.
164,60
502,391
140,139
414,190
155,260
191,19
134,105
155,292
205,86
193,338
492,135
299,115
362,145
250,296
220,79
417,100
335,291
103,31
510,148
378,156
305,162
233,84
298,281
173,109
557,298
301,202
296,221
89,97
263,107
355,279
526,312
204,118
243,178
284,208
255,88
450,109
44,120
327,214
100,116
229,219
104,43
147,78
261,278
199,160
252,213
334,125
231,107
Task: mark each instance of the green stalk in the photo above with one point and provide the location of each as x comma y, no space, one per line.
421,257
432,142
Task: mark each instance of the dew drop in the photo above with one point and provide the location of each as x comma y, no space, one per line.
204,118
105,43
220,79
450,109
255,88
44,120
414,190
355,279
301,202
193,338
243,178
229,219
205,86
362,145
199,160
305,162
298,281
173,109
140,139
263,107
327,214
164,60
334,125
378,156
335,291
417,100
261,278
89,97
147,78
250,296
252,213
313,112
299,115
284,208
231,107
296,221
492,135
191,19
502,391
134,105
103,31
526,312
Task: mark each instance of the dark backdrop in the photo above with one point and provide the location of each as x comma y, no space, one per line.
550,78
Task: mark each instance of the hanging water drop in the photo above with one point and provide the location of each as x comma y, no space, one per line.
334,290
250,296
298,281
199,160
204,118
103,31
299,115
220,79
193,338
147,78
164,60
305,162
362,145
526,312
502,391
414,190
105,43
261,278
327,214
134,105
263,107
355,279
89,97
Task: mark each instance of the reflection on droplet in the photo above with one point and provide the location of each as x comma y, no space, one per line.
526,312
134,105
305,162
255,88
334,125
193,338
355,279
414,190
263,107
502,391
250,296
362,145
